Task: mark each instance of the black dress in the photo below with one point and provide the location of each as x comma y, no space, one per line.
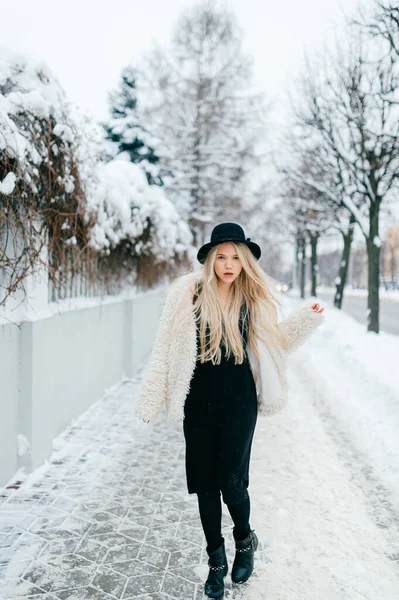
220,414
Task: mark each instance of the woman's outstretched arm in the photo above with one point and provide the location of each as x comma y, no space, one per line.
301,323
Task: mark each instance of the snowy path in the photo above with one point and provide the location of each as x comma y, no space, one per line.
321,523
325,480
109,515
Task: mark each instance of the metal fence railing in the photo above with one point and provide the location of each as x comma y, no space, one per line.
81,276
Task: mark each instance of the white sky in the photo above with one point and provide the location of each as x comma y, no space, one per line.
86,43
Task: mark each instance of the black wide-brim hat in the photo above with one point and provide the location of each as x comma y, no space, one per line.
227,232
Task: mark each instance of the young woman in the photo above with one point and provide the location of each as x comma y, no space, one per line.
217,363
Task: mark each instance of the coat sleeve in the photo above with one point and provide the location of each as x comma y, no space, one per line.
152,393
300,324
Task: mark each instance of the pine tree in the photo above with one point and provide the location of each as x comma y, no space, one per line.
129,139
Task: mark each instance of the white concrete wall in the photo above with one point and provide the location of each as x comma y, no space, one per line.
146,313
52,369
9,378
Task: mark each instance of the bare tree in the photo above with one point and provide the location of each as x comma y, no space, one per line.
311,216
385,24
345,115
316,177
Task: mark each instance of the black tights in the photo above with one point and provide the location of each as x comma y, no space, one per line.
210,509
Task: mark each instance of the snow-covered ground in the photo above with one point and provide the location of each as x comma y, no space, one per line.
325,472
109,515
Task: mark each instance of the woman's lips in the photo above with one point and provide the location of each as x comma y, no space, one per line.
228,274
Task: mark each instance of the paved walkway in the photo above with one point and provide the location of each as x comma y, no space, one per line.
109,516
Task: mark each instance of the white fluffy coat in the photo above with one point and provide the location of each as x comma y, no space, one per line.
167,376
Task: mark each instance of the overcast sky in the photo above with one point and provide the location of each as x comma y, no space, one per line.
86,43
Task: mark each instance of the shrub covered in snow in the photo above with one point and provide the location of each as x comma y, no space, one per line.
130,213
134,229
57,193
39,177
35,129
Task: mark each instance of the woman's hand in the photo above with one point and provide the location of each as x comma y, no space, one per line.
316,308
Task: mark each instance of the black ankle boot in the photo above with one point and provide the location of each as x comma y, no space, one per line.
217,562
244,559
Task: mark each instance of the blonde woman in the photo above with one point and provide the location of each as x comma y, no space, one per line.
217,363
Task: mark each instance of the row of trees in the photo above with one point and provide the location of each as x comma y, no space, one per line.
184,146
343,168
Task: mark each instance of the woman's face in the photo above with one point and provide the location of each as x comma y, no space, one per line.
227,264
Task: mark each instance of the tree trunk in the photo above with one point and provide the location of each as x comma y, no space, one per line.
393,265
197,201
340,282
302,252
373,255
295,268
314,267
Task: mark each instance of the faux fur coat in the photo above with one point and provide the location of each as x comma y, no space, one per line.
166,378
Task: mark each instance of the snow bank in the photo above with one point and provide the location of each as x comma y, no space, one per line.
356,372
324,476
378,353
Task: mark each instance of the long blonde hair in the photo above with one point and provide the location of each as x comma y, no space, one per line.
249,290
